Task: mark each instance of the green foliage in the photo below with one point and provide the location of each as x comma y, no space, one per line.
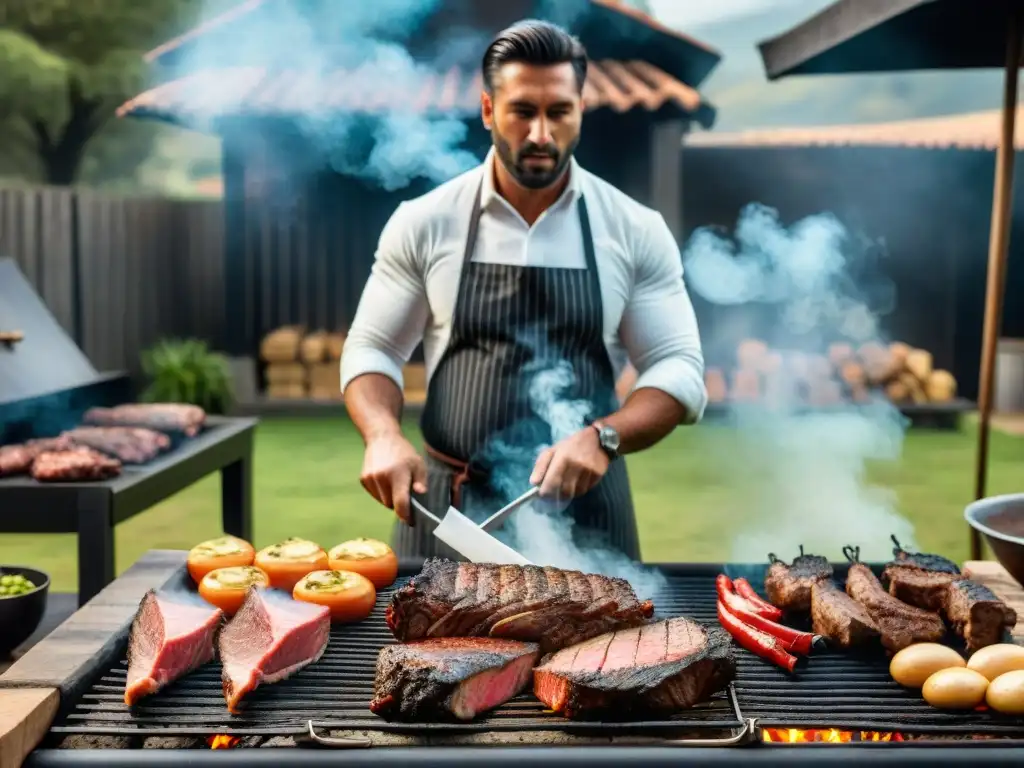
65,67
187,371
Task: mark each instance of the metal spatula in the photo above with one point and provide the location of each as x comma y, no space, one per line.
471,540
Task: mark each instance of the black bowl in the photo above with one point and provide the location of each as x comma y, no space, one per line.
999,518
21,615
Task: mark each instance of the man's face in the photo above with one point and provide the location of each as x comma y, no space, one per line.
534,118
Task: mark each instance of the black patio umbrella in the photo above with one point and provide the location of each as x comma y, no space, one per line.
852,36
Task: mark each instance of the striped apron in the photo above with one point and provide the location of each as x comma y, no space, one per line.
521,337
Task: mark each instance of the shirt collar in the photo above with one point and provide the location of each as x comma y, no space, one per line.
488,194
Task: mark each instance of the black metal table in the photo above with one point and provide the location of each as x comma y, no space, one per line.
93,509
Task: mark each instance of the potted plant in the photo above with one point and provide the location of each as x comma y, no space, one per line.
187,371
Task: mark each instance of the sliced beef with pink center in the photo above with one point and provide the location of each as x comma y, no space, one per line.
171,635
660,667
270,638
450,677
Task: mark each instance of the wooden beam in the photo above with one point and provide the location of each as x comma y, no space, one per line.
666,193
25,718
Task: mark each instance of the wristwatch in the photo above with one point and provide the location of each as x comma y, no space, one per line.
608,437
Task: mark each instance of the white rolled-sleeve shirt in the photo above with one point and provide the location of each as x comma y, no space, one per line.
411,293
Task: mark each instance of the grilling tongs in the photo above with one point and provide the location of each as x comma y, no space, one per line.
472,541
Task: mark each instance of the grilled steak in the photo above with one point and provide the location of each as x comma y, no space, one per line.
17,459
171,635
900,624
977,615
162,417
446,677
838,617
270,638
73,465
661,667
789,586
919,579
549,606
130,445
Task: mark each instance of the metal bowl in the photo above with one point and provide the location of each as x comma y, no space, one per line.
21,615
990,517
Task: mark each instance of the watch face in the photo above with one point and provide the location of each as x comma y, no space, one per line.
610,439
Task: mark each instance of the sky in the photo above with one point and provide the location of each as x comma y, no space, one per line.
690,15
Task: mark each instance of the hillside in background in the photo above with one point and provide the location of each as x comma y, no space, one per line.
746,99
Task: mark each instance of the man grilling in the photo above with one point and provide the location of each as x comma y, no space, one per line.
524,267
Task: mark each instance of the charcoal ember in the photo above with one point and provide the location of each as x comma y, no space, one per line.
74,465
129,445
91,741
162,417
174,742
17,459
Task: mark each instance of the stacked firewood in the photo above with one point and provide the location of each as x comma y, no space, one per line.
302,365
845,373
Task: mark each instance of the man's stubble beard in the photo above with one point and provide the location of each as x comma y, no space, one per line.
523,175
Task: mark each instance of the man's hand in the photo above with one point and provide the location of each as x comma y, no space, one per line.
391,466
571,467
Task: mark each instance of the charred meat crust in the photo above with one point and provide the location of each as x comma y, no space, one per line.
789,586
917,587
550,606
839,618
977,614
416,681
661,667
923,561
900,624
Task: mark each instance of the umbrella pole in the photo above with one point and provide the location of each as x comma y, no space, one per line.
997,251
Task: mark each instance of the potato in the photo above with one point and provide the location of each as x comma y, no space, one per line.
714,380
995,660
955,688
1006,693
839,353
912,666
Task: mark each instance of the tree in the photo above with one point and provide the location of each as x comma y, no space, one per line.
65,67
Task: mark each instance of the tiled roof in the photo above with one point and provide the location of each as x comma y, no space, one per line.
617,85
974,130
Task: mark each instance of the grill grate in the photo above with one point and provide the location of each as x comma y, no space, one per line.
830,690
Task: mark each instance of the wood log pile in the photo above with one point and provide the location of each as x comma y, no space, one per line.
843,374
303,365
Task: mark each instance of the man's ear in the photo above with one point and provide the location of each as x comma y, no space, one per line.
486,110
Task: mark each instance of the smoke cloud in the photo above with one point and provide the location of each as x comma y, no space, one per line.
543,530
810,286
348,84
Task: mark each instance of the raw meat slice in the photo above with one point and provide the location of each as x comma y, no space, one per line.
447,677
270,638
131,445
76,464
171,635
661,667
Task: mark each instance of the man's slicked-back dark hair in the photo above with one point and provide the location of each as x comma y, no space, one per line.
534,42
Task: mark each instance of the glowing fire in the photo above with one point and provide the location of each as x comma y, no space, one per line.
828,736
222,741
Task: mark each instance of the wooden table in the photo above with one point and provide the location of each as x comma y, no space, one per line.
92,510
60,664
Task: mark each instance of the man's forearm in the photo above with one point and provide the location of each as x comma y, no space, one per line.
374,403
647,416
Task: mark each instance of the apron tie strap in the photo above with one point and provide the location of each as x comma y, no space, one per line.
460,475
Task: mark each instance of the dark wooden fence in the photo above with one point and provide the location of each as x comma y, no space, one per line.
119,272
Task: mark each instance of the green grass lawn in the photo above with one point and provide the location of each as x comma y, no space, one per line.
694,493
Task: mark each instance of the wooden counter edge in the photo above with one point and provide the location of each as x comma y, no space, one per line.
66,657
25,718
992,575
